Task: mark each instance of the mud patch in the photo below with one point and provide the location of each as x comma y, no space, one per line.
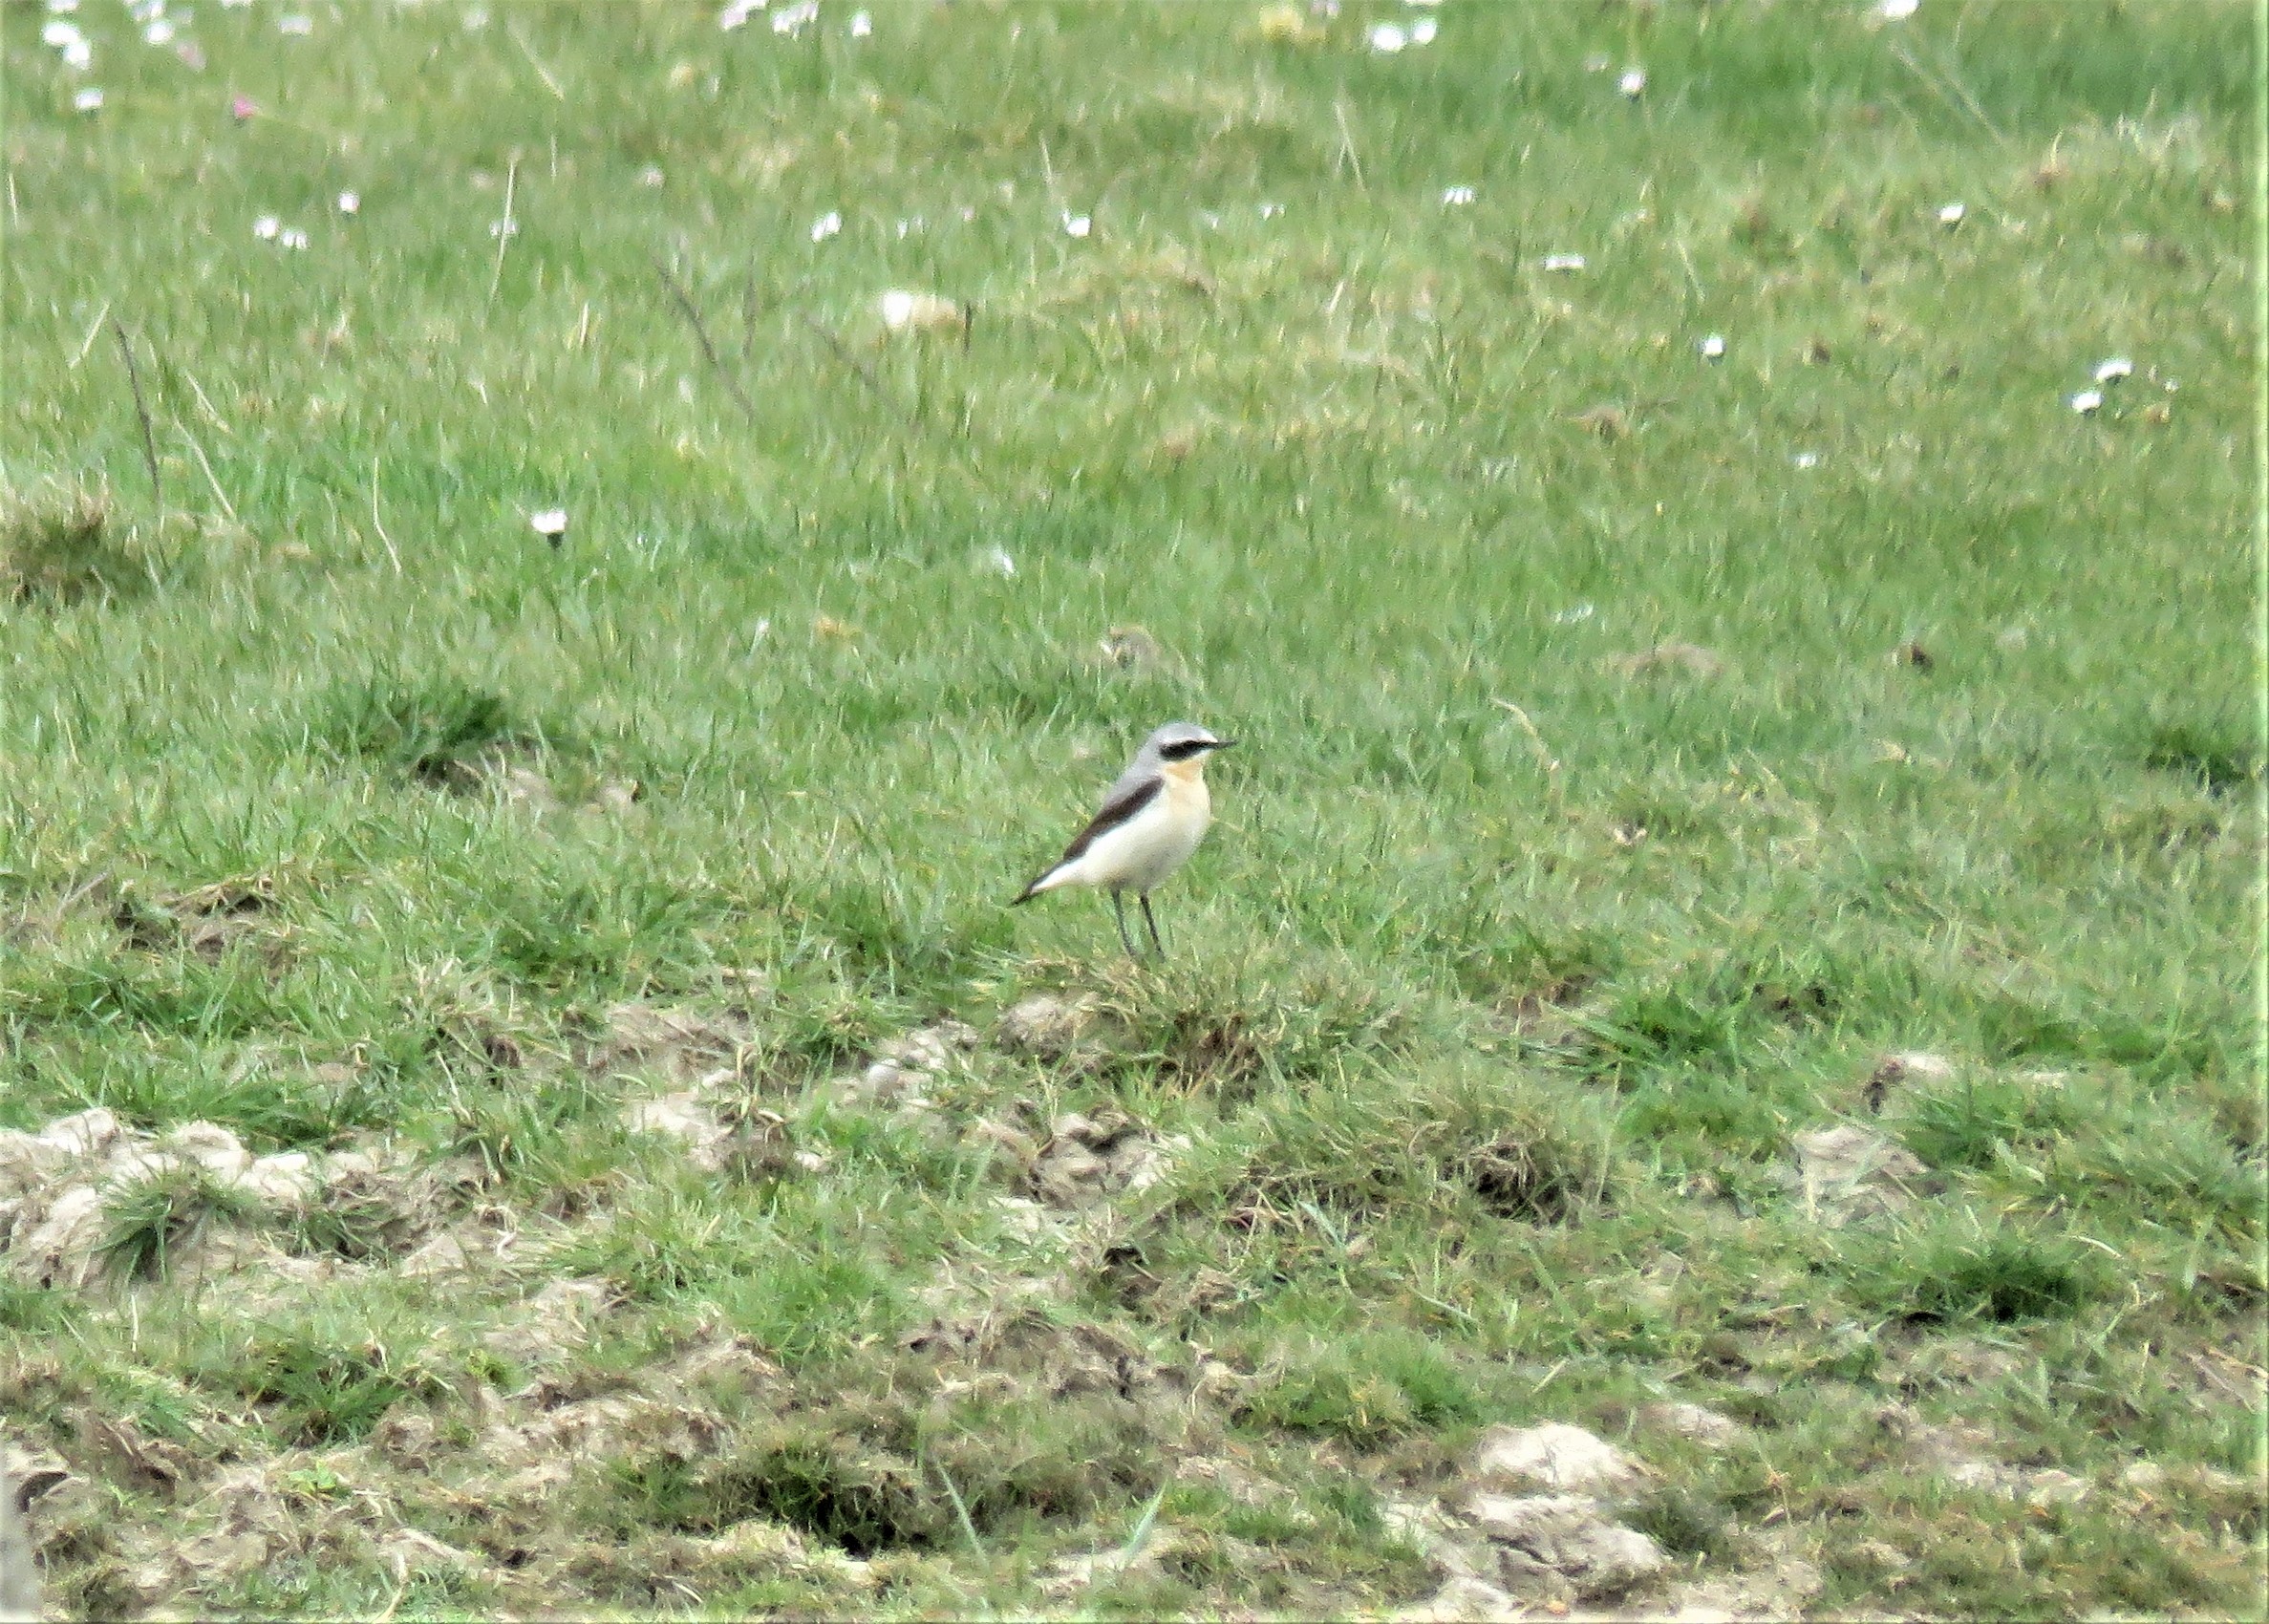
87,1197
902,1069
1532,1523
1047,1027
1088,1158
1968,1456
1851,1174
1696,1422
1524,1177
206,921
683,1044
723,1134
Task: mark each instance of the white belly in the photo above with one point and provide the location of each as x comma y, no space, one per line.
1140,853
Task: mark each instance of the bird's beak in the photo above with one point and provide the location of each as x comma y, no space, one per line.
1223,743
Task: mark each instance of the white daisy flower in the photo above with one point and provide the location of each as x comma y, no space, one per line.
291,237
1806,459
736,14
266,227
1002,561
1896,11
1077,225
89,101
862,25
298,25
1387,39
792,19
1713,348
160,32
61,8
1456,197
1952,214
551,523
1423,31
1633,83
1563,262
60,35
2087,401
78,56
350,203
829,224
2115,369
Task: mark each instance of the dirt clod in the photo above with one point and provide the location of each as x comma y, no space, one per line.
1851,1173
686,1119
1562,1546
1689,659
1553,1455
680,1044
1130,648
1047,1027
1705,1426
1088,1158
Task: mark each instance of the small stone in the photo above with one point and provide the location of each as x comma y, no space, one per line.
883,1082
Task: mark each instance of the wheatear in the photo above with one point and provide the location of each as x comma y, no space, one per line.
1151,821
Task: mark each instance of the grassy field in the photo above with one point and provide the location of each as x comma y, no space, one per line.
1640,748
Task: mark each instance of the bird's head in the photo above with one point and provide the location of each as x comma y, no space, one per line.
1182,744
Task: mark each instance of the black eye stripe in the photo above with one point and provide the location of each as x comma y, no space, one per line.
1185,749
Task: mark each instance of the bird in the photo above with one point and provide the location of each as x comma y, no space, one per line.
1151,822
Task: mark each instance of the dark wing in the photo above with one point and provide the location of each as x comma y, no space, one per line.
1116,811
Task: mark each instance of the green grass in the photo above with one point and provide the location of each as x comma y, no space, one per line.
1487,1029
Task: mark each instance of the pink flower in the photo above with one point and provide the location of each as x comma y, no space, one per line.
242,107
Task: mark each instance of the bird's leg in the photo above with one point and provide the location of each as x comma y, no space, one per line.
1151,919
1119,911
